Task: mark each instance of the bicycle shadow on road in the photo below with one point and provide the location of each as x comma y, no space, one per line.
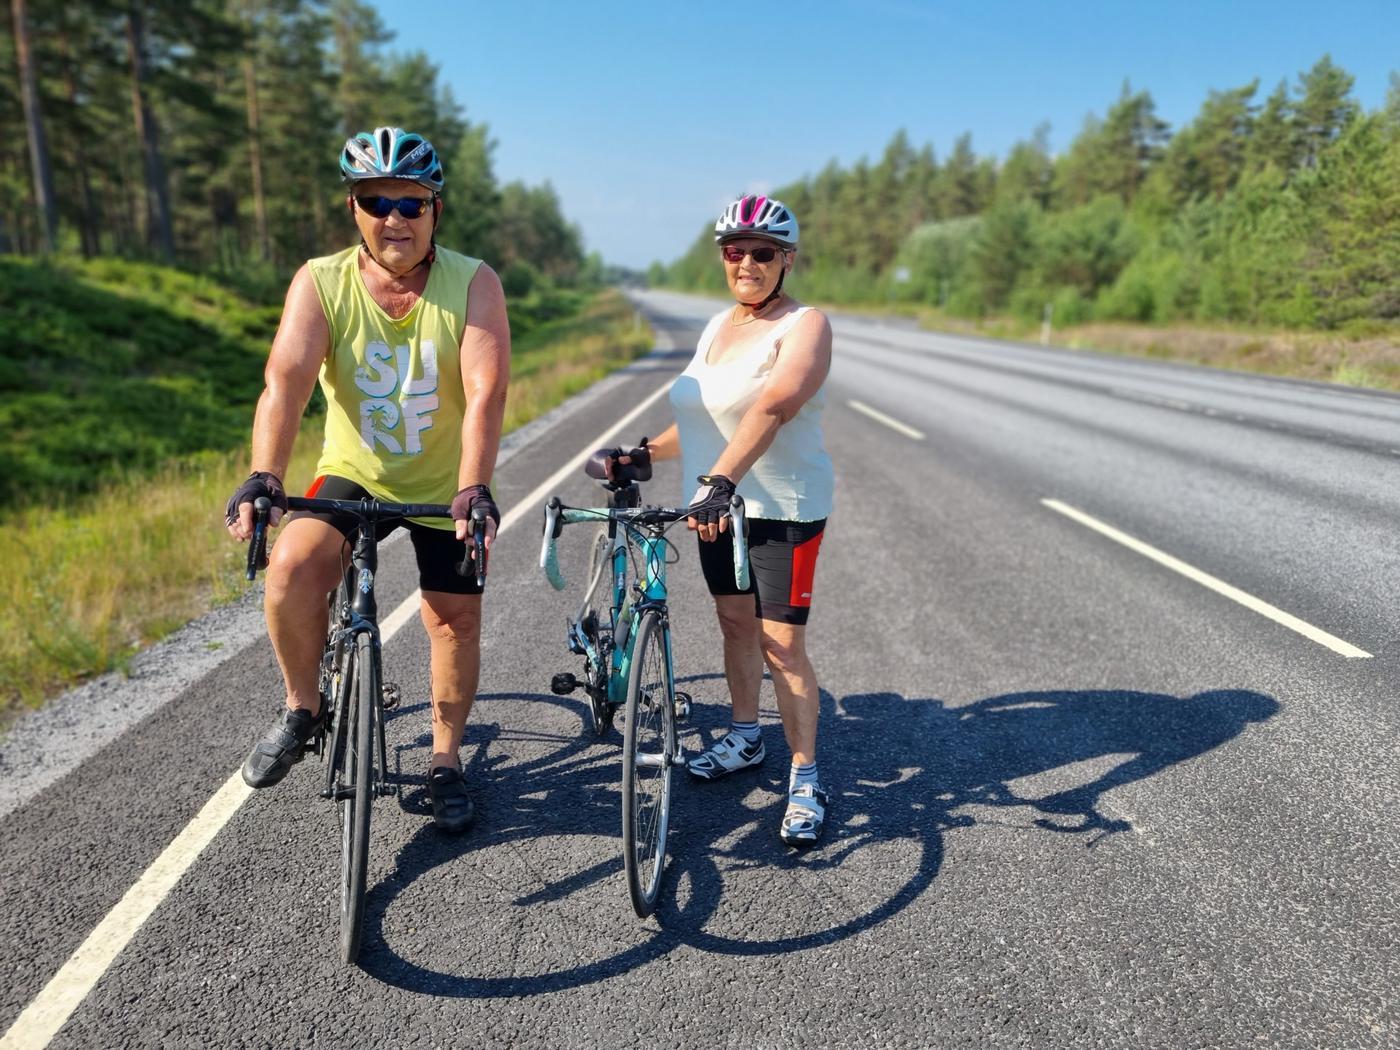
903,773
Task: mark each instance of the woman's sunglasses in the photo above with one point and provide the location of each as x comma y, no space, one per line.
733,253
409,207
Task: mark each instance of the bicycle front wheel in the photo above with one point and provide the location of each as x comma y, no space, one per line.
649,748
356,793
589,619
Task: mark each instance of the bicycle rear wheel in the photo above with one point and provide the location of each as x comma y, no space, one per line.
357,791
649,748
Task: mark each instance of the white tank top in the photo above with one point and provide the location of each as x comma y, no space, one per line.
792,481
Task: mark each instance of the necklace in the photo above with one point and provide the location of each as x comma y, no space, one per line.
750,319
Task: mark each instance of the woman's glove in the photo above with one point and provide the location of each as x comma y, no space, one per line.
711,500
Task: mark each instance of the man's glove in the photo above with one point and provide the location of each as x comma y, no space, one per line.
711,500
470,498
604,464
259,483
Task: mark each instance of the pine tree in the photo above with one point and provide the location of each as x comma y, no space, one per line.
1324,108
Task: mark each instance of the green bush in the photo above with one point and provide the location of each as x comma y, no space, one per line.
519,279
112,367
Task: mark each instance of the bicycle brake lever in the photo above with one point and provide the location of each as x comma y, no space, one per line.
257,544
549,554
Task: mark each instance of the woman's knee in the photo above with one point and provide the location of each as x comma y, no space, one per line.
783,648
455,617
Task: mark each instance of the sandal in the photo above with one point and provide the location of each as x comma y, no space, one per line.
731,753
806,813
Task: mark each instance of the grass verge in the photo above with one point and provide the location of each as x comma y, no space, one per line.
1365,356
84,587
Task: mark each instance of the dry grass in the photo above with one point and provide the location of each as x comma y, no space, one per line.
571,354
83,588
1371,360
1369,357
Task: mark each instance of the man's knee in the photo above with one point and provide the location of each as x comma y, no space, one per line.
737,622
296,574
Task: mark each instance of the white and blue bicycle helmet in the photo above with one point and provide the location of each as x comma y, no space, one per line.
391,153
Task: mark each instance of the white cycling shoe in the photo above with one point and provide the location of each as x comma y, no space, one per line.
806,813
729,755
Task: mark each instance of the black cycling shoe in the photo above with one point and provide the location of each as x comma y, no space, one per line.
453,811
281,748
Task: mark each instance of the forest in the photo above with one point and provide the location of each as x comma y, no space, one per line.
204,133
1278,208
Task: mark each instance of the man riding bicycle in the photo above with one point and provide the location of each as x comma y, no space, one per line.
412,348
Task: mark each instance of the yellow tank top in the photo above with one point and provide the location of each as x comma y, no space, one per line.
393,387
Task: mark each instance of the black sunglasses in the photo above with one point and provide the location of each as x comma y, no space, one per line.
409,207
733,253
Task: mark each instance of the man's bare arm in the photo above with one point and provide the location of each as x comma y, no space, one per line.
300,346
485,362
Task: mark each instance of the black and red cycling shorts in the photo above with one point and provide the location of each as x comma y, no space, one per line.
782,563
438,551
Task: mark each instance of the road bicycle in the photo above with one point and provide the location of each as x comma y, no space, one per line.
354,695
623,632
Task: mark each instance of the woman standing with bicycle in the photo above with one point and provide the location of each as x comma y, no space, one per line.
748,418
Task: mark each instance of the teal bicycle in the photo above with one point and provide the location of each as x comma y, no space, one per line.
622,630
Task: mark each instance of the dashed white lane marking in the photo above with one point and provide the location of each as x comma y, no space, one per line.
52,1007
889,421
1205,579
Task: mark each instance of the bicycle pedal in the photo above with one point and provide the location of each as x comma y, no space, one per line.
563,684
683,704
391,694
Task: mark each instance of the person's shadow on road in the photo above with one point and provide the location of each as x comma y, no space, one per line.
903,772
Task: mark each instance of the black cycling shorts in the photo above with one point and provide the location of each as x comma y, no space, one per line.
782,563
438,550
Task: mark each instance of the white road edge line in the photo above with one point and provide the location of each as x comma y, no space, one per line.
51,1008
889,421
1258,605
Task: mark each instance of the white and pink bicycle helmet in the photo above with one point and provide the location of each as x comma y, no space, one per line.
757,216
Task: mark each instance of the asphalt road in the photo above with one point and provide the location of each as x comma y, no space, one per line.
1079,799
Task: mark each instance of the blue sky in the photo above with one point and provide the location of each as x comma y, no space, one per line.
648,117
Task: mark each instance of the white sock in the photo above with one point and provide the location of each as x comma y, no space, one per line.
747,730
803,774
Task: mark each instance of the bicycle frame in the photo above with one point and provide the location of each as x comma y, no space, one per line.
629,525
613,648
361,616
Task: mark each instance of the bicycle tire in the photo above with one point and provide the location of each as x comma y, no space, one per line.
335,700
358,793
649,748
589,617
